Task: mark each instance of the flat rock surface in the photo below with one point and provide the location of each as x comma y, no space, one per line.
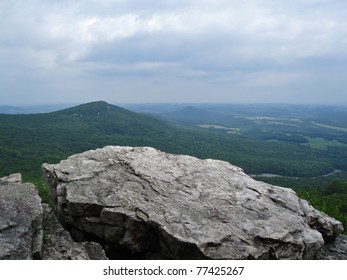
20,219
151,204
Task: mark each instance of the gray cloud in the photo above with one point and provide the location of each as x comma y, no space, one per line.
174,51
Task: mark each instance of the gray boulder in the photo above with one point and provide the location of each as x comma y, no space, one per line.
30,230
143,203
20,220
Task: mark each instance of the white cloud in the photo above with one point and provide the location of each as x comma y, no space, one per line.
260,42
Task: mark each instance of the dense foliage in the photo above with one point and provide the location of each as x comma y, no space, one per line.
331,199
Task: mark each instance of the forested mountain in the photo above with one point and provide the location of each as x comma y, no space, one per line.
28,140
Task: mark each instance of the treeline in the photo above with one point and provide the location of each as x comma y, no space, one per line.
330,199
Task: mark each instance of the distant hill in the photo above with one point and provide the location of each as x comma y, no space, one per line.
26,141
110,119
32,109
194,115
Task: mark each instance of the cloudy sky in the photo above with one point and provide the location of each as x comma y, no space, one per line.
133,51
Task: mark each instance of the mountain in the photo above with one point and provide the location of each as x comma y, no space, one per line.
110,119
28,140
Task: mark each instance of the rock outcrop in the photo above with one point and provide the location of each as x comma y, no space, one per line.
143,203
20,219
29,230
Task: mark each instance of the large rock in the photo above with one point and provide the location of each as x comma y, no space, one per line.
20,220
143,203
29,230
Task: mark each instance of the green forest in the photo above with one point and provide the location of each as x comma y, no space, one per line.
291,146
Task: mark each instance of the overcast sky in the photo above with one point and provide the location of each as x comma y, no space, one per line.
131,51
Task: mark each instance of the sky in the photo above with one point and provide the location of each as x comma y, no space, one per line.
180,51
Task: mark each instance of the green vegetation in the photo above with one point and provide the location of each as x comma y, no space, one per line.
26,141
323,144
281,141
230,130
331,199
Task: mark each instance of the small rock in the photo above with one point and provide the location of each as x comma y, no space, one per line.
15,178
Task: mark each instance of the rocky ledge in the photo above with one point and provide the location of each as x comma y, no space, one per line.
143,203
